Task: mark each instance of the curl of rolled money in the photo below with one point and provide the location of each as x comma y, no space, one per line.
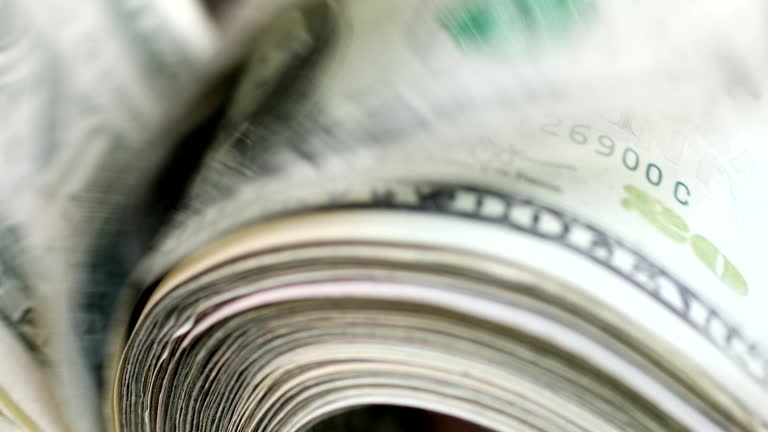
364,233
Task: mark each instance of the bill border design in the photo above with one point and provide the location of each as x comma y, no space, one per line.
526,215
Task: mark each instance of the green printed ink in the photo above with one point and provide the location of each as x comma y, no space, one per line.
476,23
508,24
675,227
655,212
719,264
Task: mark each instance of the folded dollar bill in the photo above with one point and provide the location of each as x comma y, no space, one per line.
362,215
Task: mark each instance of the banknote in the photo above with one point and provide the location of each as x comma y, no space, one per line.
557,125
647,210
336,105
81,87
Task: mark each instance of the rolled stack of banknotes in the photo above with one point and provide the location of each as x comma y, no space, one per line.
343,215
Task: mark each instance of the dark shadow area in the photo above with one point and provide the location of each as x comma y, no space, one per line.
387,418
